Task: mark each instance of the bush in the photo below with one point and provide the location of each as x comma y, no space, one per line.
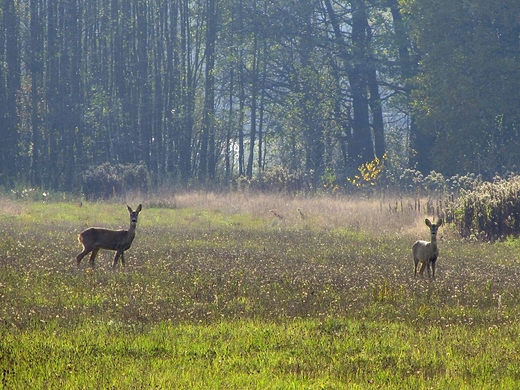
410,180
135,177
491,211
435,183
458,183
277,179
107,180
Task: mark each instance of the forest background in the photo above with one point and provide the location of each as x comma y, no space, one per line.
208,91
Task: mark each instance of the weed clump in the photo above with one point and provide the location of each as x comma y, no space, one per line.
491,211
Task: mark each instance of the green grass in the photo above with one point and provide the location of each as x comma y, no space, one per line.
335,353
219,298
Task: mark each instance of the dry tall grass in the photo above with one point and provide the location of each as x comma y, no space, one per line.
9,207
387,215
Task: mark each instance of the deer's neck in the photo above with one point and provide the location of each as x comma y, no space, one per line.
130,233
434,243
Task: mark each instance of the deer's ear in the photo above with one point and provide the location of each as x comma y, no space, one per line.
139,208
440,222
427,222
129,208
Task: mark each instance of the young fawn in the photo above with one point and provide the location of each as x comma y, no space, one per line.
94,239
426,252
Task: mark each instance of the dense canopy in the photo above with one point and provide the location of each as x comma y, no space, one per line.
208,91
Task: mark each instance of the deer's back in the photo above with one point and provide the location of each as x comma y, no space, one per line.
422,249
105,239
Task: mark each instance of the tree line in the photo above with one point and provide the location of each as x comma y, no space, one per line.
207,91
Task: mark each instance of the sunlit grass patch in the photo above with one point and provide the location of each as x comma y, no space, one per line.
330,353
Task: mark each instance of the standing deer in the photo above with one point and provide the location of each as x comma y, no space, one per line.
94,239
426,252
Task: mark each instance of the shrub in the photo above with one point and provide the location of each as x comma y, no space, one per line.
435,183
410,180
108,180
276,179
458,183
134,177
491,211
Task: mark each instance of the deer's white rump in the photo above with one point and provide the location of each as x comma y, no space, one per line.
94,239
427,252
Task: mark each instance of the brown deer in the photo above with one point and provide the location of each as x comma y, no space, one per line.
94,239
427,252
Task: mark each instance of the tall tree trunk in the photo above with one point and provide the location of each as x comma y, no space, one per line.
52,94
72,44
241,93
254,103
420,143
120,17
377,114
157,125
228,152
173,92
187,93
361,149
342,118
144,104
36,70
12,58
207,151
3,94
312,126
261,146
357,123
375,103
240,125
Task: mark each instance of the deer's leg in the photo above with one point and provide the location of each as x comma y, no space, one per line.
423,266
416,262
123,258
93,256
433,261
82,255
116,258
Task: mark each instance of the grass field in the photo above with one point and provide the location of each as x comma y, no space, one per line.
243,291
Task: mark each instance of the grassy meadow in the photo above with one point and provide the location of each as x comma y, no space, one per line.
242,291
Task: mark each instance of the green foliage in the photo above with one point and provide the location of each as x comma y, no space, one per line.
491,211
330,181
468,82
107,180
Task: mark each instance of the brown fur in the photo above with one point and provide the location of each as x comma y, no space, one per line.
427,252
94,239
